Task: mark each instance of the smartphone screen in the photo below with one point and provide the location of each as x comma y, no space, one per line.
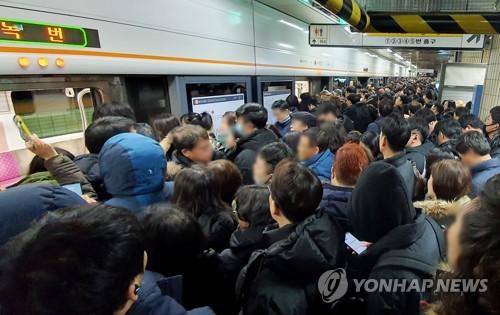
354,243
76,188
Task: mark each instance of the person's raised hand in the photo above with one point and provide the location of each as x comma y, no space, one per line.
40,148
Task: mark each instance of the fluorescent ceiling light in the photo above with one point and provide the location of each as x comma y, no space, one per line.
388,50
398,56
285,45
291,25
371,55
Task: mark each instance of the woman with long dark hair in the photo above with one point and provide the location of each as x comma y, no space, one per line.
196,192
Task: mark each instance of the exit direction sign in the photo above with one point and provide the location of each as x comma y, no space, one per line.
334,35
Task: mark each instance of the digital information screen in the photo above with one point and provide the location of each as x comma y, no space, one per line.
271,97
217,106
17,31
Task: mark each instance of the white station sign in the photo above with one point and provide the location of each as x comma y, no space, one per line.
341,36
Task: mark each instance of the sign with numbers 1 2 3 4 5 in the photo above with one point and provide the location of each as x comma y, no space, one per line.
39,33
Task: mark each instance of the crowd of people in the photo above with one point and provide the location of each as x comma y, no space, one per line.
174,219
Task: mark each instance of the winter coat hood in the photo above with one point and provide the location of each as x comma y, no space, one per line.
380,202
440,209
133,170
24,204
334,201
89,165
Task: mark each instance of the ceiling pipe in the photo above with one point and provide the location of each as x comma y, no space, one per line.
430,23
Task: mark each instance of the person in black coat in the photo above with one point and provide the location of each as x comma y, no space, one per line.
358,113
350,160
405,244
283,278
251,128
176,245
418,148
394,136
196,192
328,112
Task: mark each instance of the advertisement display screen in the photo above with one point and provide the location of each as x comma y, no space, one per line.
272,96
217,106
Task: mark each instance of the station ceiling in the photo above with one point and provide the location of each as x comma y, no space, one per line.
416,6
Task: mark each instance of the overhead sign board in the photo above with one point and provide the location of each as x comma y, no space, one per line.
429,73
335,35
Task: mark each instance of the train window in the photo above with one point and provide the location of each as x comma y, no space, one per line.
55,112
149,97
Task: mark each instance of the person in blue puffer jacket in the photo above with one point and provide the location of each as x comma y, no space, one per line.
313,152
133,169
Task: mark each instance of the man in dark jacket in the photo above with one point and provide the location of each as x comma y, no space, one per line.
350,160
393,139
447,132
251,126
358,113
474,151
283,278
314,153
385,108
301,121
25,204
327,112
281,111
418,148
133,171
405,245
96,134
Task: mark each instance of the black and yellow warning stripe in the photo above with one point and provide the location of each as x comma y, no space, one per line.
349,11
487,23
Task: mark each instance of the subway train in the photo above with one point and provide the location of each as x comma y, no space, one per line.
60,58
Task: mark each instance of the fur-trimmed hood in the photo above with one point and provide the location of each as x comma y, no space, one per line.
440,209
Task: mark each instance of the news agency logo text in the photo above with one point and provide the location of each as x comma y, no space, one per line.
333,285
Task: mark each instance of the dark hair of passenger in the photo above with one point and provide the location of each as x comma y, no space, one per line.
328,107
253,113
397,131
227,177
372,111
450,180
37,164
404,99
275,152
305,96
293,101
451,104
436,155
281,105
145,130
385,107
204,120
370,140
291,139
480,256
449,128
186,137
80,263
102,129
230,118
296,191
317,138
470,120
460,111
252,205
173,238
354,98
336,133
196,192
429,94
353,136
439,108
426,114
351,89
419,125
414,107
163,124
113,109
475,141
